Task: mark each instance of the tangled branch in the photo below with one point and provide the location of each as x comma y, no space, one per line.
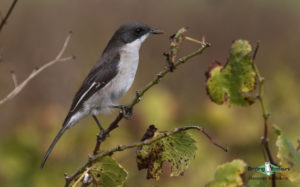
103,134
82,171
19,87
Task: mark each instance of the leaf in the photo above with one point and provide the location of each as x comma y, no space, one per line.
288,156
108,173
234,81
229,174
177,149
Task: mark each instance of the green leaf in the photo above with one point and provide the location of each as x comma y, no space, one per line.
108,173
288,156
176,149
234,81
229,174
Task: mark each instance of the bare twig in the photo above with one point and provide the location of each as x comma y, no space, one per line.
14,78
266,114
119,148
176,41
19,87
4,20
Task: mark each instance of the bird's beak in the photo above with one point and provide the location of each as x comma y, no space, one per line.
156,31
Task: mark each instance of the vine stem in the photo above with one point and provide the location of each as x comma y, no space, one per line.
266,114
82,171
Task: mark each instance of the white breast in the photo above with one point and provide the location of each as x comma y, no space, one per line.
120,84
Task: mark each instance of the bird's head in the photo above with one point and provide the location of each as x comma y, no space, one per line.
132,31
132,35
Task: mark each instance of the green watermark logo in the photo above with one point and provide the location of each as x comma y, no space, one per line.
268,169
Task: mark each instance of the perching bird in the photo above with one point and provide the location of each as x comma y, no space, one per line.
109,79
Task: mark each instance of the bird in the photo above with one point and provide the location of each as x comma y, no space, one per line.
109,79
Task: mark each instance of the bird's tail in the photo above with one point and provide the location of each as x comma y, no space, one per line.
57,137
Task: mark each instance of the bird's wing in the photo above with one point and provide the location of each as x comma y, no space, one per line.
99,76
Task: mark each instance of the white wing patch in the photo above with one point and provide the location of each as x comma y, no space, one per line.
83,95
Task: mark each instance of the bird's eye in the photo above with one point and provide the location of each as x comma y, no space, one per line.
138,30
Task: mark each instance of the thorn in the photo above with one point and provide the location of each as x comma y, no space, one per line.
66,177
203,39
159,75
86,177
36,68
207,44
172,36
262,79
165,54
70,32
14,78
138,93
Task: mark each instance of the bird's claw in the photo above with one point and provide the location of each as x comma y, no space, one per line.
127,112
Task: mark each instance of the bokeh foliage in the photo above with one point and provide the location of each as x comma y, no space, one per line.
32,36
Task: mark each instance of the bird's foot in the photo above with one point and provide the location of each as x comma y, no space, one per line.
126,111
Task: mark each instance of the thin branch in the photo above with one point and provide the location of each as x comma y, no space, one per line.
102,136
36,71
4,20
14,78
176,40
266,114
81,177
119,148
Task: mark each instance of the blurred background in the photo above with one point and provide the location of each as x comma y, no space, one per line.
36,31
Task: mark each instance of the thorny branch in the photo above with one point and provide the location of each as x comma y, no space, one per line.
4,20
81,172
176,40
19,87
103,134
266,114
